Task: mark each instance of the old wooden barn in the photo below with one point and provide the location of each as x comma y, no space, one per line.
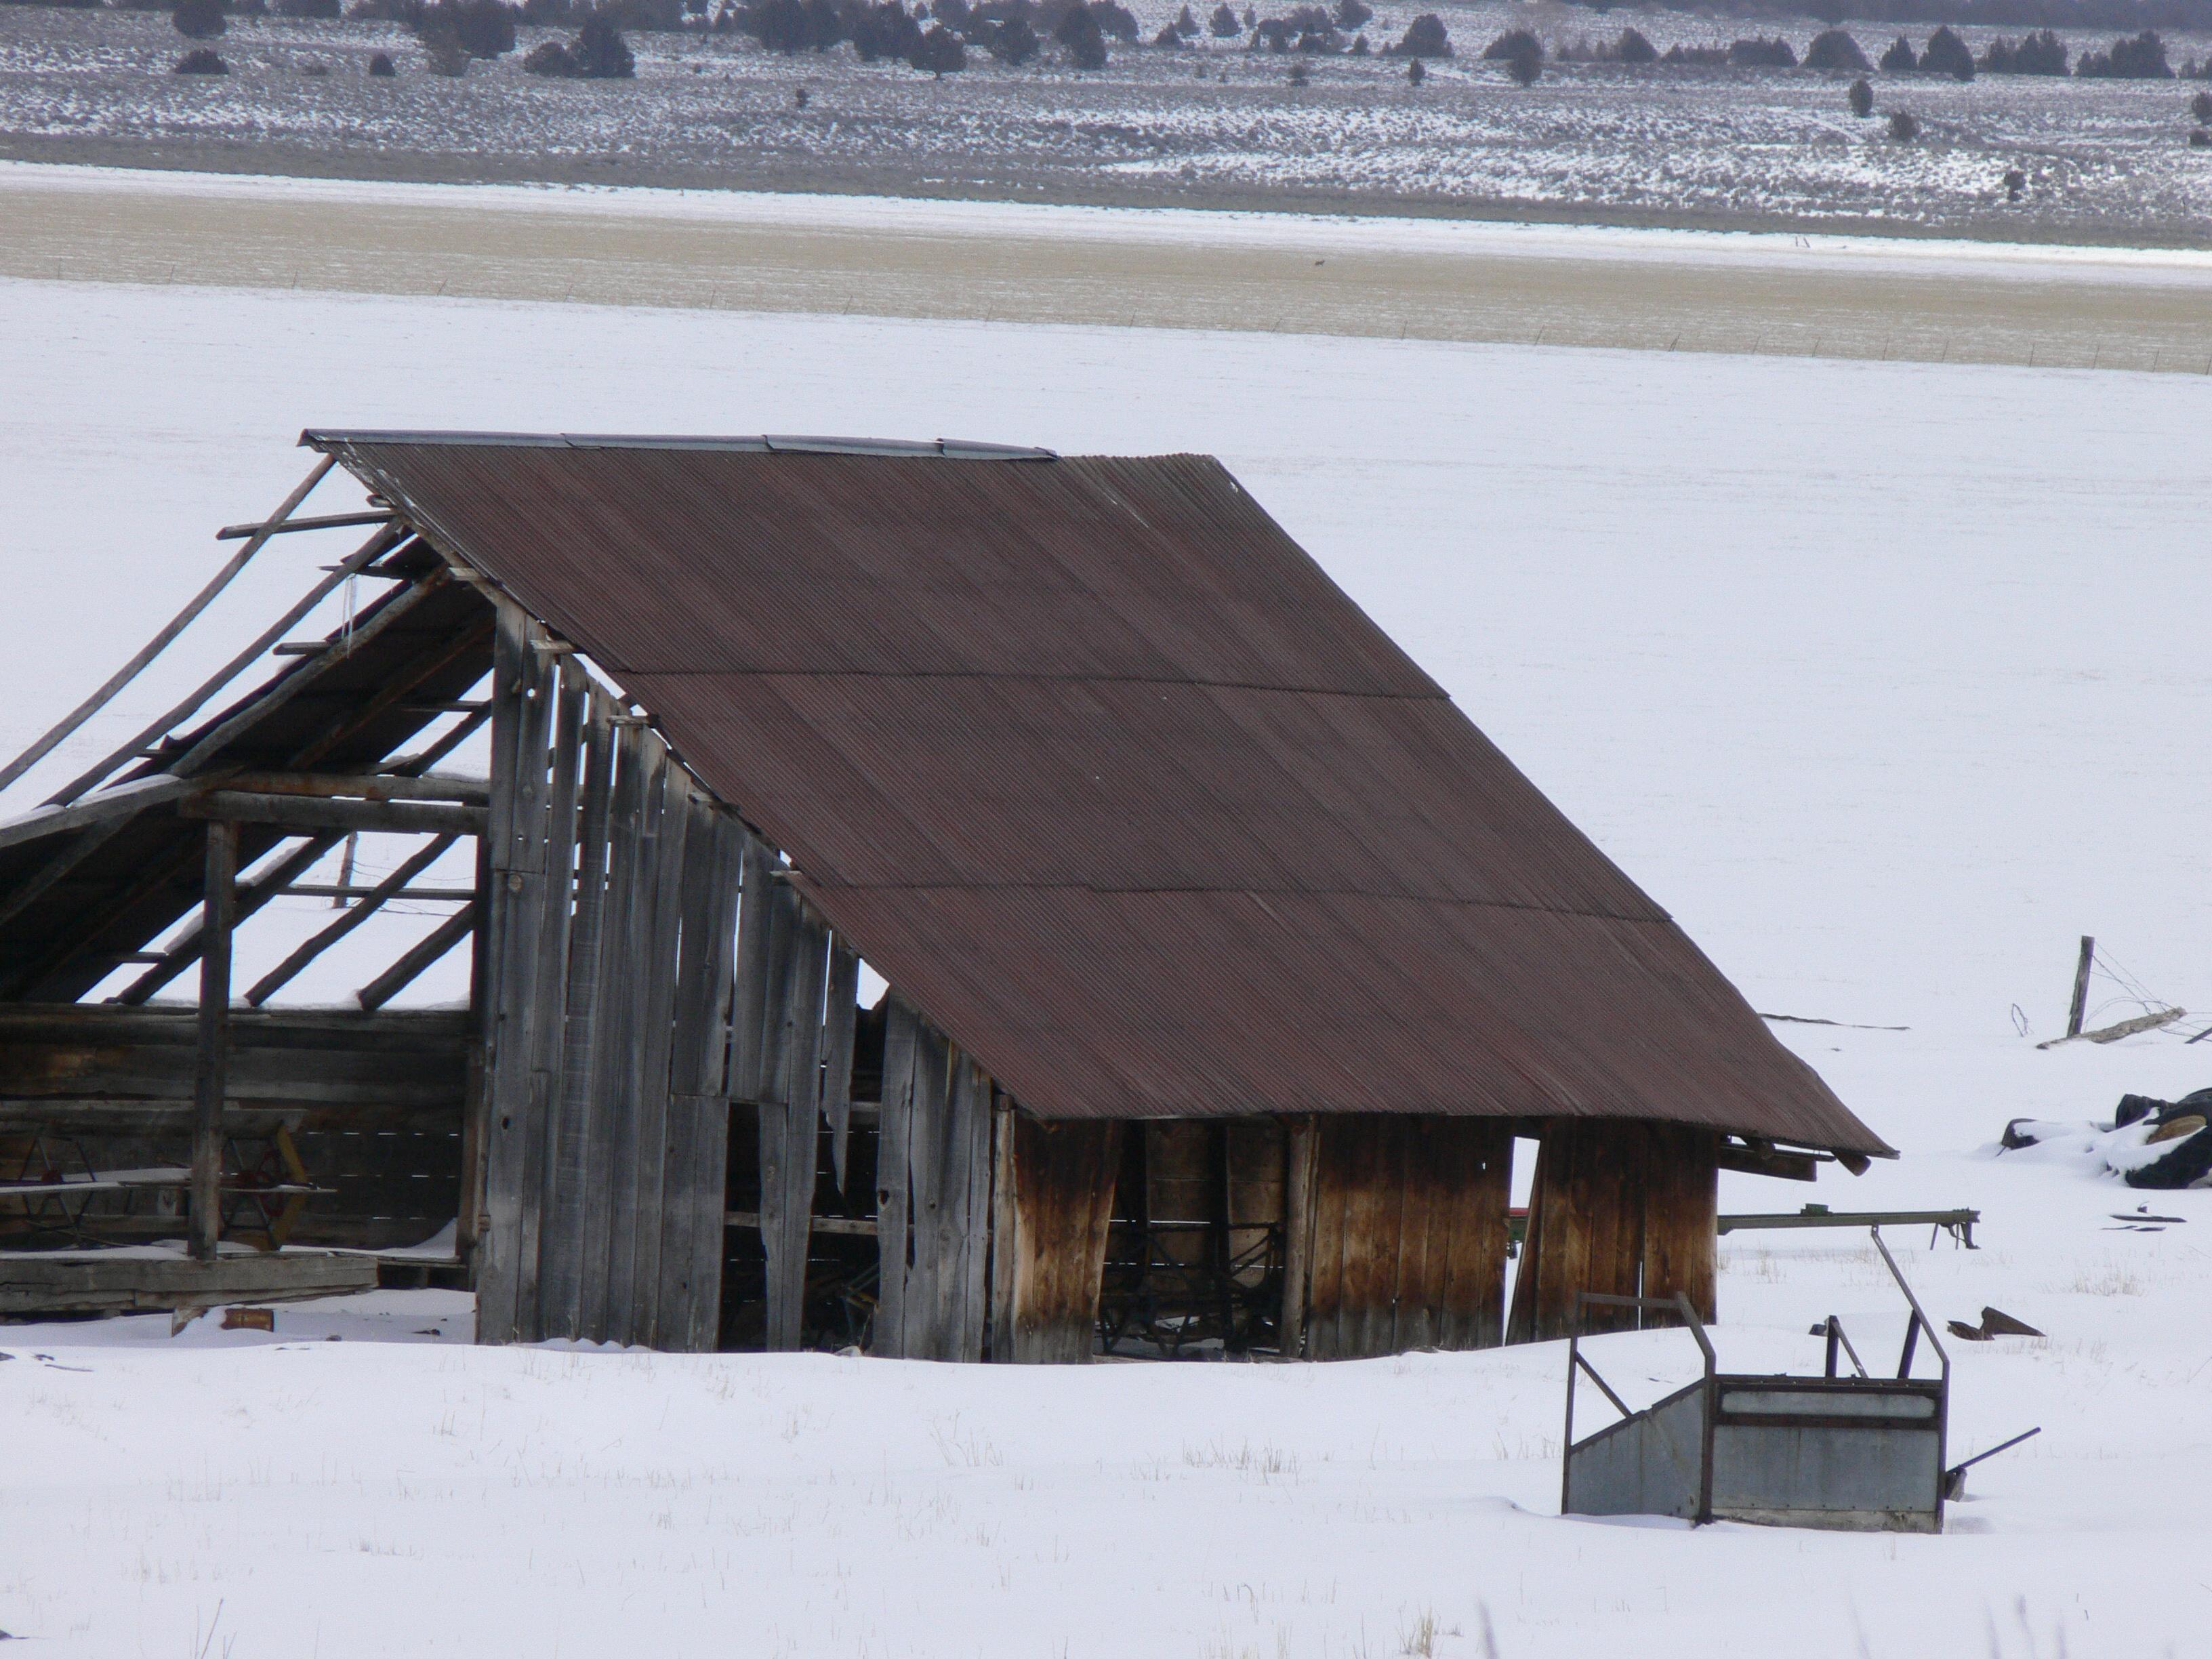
966,901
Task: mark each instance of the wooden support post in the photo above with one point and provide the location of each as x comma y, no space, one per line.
2080,1009
894,1185
1297,1235
211,1079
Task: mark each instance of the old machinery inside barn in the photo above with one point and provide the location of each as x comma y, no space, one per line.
964,901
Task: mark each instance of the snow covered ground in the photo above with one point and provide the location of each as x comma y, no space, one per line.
1887,679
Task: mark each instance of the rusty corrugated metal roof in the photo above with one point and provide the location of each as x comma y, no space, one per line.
1091,761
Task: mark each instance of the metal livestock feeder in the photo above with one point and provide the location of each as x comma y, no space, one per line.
1854,1453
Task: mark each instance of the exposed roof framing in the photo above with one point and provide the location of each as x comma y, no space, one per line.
86,884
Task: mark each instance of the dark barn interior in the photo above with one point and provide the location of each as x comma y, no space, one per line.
960,902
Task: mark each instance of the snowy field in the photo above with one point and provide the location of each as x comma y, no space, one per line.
1887,679
1212,124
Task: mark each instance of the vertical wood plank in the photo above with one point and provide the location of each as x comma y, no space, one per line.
212,1072
710,1177
561,1255
656,968
1428,1171
787,1124
750,998
1006,1244
692,1194
1681,1200
927,1277
894,1185
969,1128
476,1100
556,865
1327,1292
609,1056
1298,1234
1064,1180
515,827
1472,1288
839,1016
641,866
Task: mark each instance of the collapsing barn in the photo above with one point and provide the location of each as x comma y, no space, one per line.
1225,960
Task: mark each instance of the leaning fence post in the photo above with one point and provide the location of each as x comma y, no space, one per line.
2080,987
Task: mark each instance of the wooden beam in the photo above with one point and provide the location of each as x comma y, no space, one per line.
161,641
125,800
378,786
252,897
418,959
396,817
31,1286
355,890
137,745
391,887
238,533
219,908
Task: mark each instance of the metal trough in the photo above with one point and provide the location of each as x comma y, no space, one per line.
1857,1453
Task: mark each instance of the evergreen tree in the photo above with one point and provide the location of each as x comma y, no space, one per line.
198,19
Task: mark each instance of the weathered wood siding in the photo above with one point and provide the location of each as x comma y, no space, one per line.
1059,1182
613,900
1619,1208
1405,1242
372,1102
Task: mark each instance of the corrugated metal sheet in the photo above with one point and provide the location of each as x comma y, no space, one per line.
1095,763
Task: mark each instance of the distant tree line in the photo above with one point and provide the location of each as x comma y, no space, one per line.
2132,15
2140,56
